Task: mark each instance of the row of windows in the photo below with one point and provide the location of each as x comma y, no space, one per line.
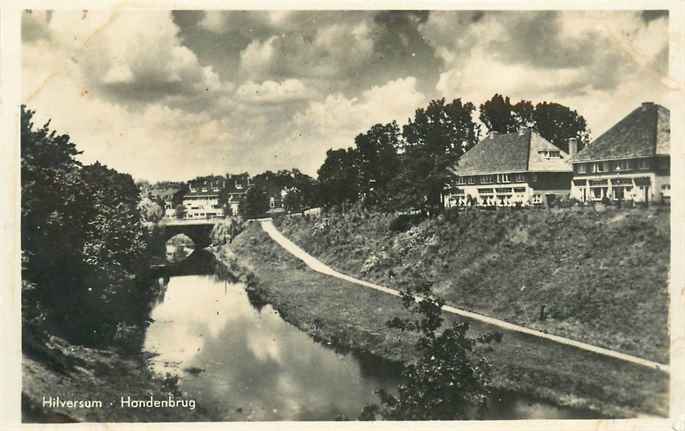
614,166
492,179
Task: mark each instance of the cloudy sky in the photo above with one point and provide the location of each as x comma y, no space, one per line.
173,95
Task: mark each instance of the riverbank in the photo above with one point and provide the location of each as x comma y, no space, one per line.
52,368
595,277
350,316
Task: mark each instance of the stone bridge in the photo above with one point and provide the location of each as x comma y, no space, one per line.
198,230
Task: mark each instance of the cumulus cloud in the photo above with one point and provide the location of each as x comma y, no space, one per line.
336,120
572,57
332,50
289,90
167,96
68,72
246,21
130,58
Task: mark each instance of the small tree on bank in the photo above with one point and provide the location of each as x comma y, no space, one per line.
448,379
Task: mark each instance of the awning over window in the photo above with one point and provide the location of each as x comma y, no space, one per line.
622,181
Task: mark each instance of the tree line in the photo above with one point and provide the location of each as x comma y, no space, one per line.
399,168
395,168
84,244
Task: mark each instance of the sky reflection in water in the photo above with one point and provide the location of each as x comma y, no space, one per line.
257,366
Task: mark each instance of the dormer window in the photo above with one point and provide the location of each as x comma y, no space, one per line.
550,154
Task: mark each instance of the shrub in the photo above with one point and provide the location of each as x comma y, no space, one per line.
404,222
450,375
227,229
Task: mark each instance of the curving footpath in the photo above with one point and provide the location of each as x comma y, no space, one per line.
318,266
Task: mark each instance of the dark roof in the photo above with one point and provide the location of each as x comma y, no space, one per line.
510,153
645,132
499,153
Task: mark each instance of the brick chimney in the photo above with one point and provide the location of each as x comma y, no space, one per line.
572,147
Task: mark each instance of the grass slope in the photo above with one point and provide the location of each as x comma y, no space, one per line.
601,277
350,316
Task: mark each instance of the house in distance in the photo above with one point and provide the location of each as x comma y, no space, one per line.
511,169
630,161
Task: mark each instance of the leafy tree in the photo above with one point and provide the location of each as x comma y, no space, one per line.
151,210
378,161
298,190
307,187
449,378
255,203
180,211
555,122
54,207
433,140
294,200
225,230
339,177
177,198
498,115
85,251
558,123
523,111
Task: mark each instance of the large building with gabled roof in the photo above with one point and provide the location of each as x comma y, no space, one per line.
511,169
631,160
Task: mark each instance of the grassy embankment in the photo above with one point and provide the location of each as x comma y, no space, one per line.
602,278
350,316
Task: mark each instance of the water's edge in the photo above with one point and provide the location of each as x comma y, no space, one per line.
238,270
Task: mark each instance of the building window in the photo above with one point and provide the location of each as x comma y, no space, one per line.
623,165
503,178
550,154
471,180
602,167
581,168
643,164
520,178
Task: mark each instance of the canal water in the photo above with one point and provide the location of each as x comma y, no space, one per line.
241,361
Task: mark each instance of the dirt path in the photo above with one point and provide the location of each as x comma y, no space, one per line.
322,268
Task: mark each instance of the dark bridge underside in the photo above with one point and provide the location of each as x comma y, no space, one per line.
199,233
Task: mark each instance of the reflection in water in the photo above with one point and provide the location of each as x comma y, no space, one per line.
256,366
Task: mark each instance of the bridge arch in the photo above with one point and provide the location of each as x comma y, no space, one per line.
197,230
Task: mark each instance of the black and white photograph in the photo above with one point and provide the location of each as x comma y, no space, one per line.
345,215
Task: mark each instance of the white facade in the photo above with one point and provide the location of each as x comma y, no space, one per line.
202,205
644,179
518,194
